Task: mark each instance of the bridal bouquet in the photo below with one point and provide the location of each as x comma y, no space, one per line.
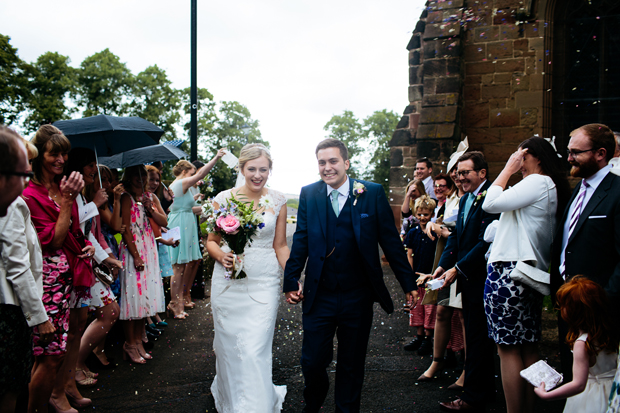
237,223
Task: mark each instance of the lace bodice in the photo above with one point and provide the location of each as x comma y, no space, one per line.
264,237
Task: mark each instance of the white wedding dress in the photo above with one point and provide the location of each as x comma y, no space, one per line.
244,314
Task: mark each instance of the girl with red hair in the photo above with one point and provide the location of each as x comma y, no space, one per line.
585,308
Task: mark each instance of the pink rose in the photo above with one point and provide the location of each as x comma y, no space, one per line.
46,298
57,287
63,267
37,351
229,224
63,258
51,309
46,268
57,298
52,277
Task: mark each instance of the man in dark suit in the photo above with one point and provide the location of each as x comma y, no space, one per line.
587,241
340,224
463,259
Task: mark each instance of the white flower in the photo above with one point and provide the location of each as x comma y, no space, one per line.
266,201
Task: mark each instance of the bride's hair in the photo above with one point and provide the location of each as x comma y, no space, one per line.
253,151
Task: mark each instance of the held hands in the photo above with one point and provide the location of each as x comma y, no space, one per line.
71,186
101,197
294,297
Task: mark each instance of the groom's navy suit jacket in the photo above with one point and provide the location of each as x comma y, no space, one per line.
373,225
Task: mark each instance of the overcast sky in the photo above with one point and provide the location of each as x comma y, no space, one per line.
294,64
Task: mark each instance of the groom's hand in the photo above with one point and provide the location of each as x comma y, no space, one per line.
294,297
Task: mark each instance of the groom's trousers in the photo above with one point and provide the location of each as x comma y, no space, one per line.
348,315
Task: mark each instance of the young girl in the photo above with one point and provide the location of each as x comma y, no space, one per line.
421,255
585,307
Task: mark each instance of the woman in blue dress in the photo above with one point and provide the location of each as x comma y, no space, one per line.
186,257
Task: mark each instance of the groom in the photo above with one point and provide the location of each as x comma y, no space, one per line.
340,225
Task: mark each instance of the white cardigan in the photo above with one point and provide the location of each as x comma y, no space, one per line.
527,223
21,265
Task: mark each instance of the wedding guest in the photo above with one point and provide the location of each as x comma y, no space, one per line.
11,176
449,333
421,254
414,190
524,235
111,224
165,267
164,194
424,172
594,340
588,237
67,271
464,258
101,301
615,161
187,256
141,288
21,287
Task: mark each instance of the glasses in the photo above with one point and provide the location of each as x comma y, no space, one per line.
466,172
26,175
440,186
574,153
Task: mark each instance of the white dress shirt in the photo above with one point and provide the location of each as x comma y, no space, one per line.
429,186
593,181
343,193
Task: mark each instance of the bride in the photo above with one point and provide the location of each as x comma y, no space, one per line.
244,310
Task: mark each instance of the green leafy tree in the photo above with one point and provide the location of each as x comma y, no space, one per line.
104,85
377,131
232,116
155,100
348,129
53,83
14,91
369,137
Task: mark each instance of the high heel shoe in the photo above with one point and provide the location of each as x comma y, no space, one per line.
143,352
189,304
78,403
57,410
132,353
161,324
172,313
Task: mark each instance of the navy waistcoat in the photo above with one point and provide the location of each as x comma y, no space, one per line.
343,268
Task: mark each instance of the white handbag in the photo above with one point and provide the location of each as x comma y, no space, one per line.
532,277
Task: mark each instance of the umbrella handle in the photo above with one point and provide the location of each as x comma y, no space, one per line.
98,170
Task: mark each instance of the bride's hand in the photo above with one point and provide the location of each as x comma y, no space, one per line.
227,260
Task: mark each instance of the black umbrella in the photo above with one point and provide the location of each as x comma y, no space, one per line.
110,135
144,155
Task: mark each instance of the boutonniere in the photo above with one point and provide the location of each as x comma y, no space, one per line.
480,197
358,189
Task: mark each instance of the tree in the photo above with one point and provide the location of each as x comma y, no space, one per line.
53,83
371,135
347,128
227,133
378,129
155,100
14,91
104,85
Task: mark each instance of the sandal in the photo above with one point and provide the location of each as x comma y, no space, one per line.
89,373
87,382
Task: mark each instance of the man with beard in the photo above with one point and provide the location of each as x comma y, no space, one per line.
587,240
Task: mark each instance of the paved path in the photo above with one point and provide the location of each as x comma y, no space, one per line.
179,377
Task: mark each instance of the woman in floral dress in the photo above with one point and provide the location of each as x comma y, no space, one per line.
142,293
